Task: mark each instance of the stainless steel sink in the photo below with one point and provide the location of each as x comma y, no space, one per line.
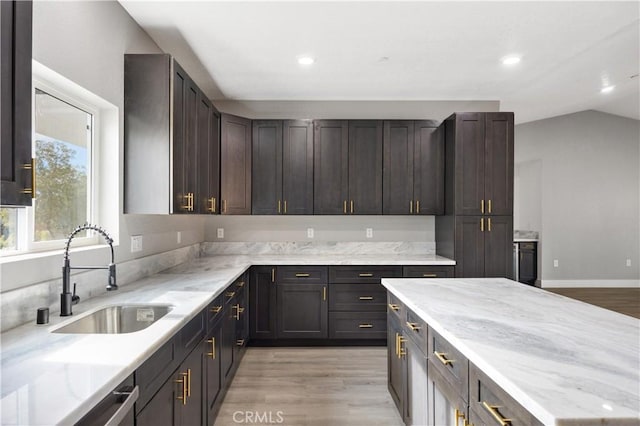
116,319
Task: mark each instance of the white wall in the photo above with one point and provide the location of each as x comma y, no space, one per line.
85,42
577,182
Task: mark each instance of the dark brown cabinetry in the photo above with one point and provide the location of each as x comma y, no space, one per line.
348,167
436,271
262,293
235,165
171,139
413,172
16,166
282,170
477,227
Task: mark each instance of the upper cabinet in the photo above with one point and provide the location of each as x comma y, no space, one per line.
282,167
348,167
171,139
413,172
16,166
483,144
235,165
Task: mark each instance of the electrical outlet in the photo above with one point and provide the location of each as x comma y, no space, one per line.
179,237
555,263
220,232
628,262
369,232
136,243
309,232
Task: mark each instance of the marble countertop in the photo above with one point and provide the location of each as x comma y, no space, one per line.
565,361
50,378
525,240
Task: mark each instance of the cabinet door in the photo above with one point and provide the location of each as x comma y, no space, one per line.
365,167
15,103
266,167
397,171
227,340
180,85
262,291
162,408
470,249
444,405
429,168
395,373
235,165
498,184
208,158
470,164
415,407
297,167
498,246
302,311
190,411
330,167
213,373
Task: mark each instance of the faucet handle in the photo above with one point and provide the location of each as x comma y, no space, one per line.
75,298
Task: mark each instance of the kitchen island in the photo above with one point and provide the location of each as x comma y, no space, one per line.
562,361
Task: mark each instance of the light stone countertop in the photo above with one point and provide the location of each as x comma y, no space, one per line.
565,361
50,378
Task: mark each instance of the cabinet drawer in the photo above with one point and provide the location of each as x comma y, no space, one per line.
214,311
428,271
488,402
395,306
416,329
453,366
151,375
362,274
357,297
357,325
301,274
191,334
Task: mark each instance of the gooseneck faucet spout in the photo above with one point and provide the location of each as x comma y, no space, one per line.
68,299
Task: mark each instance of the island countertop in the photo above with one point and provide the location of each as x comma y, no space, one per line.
565,361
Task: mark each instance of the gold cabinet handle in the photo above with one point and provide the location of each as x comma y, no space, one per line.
230,294
489,224
224,206
285,206
344,206
302,275
493,410
394,307
413,326
216,309
459,415
240,342
188,381
351,206
212,354
411,207
442,357
365,326
397,335
489,206
366,298
278,206
482,206
401,351
189,202
239,310
182,397
30,166
324,293
273,275
418,207
482,224
212,205
365,275
240,284
430,275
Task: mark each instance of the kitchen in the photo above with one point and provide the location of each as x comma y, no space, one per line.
588,244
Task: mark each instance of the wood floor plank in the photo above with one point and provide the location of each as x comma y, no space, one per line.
344,386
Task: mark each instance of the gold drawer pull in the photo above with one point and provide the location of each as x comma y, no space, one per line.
182,397
273,275
212,354
366,297
493,410
230,293
365,275
365,326
188,381
459,415
442,357
240,284
394,307
240,342
489,206
430,275
216,309
301,275
413,326
401,351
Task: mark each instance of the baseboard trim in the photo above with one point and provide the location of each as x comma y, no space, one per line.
590,283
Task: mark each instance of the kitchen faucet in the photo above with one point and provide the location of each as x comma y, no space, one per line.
67,299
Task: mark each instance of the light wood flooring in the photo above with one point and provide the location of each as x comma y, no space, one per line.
330,386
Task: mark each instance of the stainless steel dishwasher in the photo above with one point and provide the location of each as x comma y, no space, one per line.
116,409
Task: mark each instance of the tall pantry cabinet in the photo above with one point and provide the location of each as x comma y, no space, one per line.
477,227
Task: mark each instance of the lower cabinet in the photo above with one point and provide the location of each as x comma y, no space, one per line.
262,303
213,379
396,370
302,311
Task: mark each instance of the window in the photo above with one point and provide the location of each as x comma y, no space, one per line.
64,142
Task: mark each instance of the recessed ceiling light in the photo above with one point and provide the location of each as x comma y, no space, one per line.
607,89
306,60
510,60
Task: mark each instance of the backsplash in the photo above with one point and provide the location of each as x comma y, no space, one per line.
19,306
319,248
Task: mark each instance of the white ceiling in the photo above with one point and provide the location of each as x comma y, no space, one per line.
435,51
